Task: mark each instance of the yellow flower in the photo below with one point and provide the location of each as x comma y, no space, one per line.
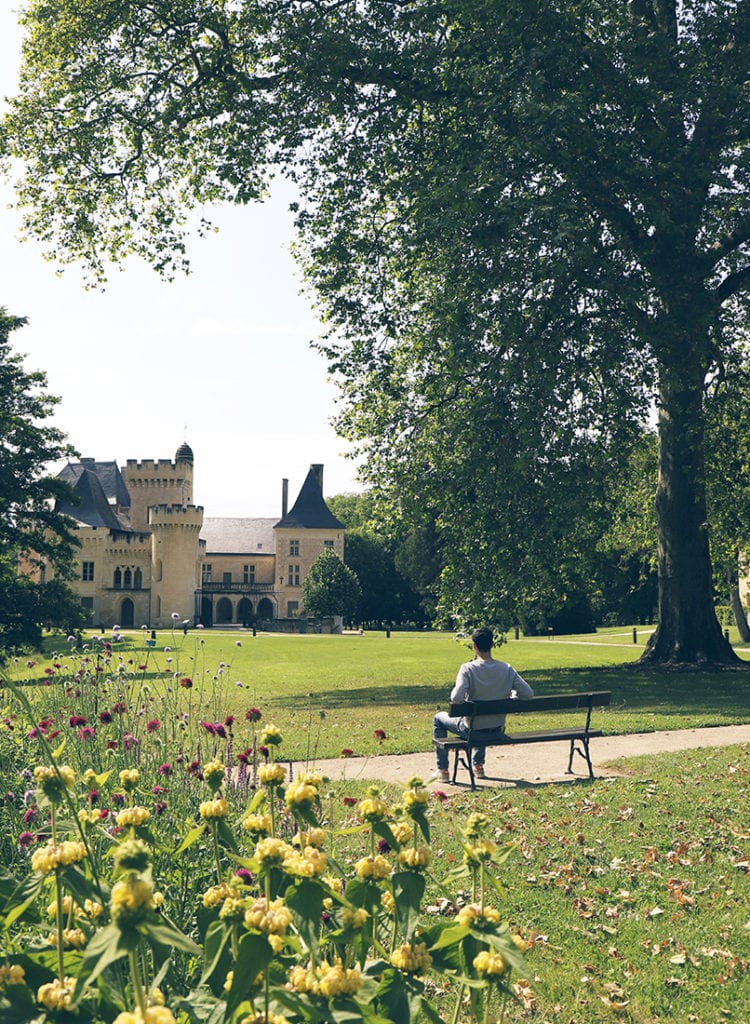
53,855
48,780
415,799
482,918
417,859
258,824
272,851
12,974
402,832
67,906
300,793
479,852
271,736
57,995
134,816
373,809
334,980
129,779
490,963
375,868
92,909
153,1015
263,1018
232,908
131,899
413,959
217,894
270,918
475,825
73,938
216,808
132,855
270,774
354,919
310,837
388,902
310,863
213,774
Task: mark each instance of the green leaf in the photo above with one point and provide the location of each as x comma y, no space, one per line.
254,955
217,936
108,945
400,995
164,933
192,837
305,900
408,890
22,897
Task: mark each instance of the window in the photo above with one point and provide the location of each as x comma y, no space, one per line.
292,609
294,549
328,545
206,572
87,571
293,576
227,578
117,579
248,573
137,579
127,579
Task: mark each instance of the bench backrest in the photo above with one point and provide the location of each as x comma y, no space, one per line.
511,706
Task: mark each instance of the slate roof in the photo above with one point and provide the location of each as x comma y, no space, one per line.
230,536
310,510
108,474
93,509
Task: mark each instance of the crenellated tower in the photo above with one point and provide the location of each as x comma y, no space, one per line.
158,483
175,561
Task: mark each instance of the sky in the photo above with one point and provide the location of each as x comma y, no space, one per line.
220,359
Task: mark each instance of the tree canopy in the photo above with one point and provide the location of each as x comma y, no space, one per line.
525,223
31,532
330,587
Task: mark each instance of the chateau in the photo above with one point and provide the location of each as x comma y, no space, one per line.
148,556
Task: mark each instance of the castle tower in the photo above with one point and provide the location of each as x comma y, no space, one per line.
158,483
175,561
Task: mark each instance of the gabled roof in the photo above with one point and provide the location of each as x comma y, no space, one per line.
228,536
108,474
93,509
310,511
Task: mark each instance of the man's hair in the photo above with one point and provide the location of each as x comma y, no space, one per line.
483,638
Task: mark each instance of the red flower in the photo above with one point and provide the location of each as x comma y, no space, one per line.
350,801
252,715
380,735
346,752
87,733
186,682
229,721
165,769
119,708
141,668
105,717
153,725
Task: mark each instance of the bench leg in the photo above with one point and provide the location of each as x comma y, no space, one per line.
466,762
584,753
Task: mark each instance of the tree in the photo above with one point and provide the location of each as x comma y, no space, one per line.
525,223
330,587
30,530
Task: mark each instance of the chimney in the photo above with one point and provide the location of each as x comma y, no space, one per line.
317,471
284,497
88,460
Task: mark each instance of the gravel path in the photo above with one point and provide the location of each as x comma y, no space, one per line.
532,764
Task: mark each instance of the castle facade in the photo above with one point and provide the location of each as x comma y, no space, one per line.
149,556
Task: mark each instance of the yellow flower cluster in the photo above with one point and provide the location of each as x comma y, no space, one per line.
258,824
270,774
134,816
88,817
217,894
310,837
475,825
131,898
474,916
417,859
415,800
216,808
12,974
271,736
272,851
413,959
54,855
213,775
372,808
402,832
153,1015
303,792
309,863
328,980
388,902
233,908
48,781
354,919
67,907
490,963
375,868
132,855
270,918
73,938
57,995
480,852
129,779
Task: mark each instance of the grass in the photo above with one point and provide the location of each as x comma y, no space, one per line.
332,692
634,891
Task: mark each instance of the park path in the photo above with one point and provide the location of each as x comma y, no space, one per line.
534,764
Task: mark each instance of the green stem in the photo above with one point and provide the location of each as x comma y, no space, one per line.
217,852
135,974
59,924
459,999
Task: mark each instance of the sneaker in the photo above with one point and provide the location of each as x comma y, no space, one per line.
479,771
445,775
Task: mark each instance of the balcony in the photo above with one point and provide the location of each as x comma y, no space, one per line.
216,587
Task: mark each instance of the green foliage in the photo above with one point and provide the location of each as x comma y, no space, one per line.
330,587
30,529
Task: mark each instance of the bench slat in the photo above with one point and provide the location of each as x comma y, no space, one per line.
526,705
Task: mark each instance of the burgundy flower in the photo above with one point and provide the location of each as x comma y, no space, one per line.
76,720
439,794
380,735
350,801
93,797
86,734
25,839
105,717
165,769
383,846
160,807
247,876
346,752
252,715
53,734
153,725
103,813
229,721
141,668
118,799
31,815
129,741
119,708
264,751
158,790
113,744
186,682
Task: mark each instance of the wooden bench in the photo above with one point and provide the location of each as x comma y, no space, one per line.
474,711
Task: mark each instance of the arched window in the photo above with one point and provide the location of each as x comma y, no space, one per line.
117,582
127,580
137,579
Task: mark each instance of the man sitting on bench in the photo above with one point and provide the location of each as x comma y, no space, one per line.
480,679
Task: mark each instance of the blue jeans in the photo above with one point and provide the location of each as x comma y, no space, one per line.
443,724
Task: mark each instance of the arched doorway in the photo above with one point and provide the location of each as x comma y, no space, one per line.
207,612
127,614
265,609
245,611
223,610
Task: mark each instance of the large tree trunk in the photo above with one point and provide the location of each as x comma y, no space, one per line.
688,630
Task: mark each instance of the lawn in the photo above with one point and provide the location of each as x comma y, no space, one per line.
630,894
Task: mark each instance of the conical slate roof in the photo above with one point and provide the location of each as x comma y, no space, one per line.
310,510
108,474
93,509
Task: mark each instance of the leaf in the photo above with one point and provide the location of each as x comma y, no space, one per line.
164,933
217,935
408,890
401,996
192,837
253,956
22,897
305,900
108,945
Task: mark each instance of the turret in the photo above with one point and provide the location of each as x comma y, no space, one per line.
175,559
